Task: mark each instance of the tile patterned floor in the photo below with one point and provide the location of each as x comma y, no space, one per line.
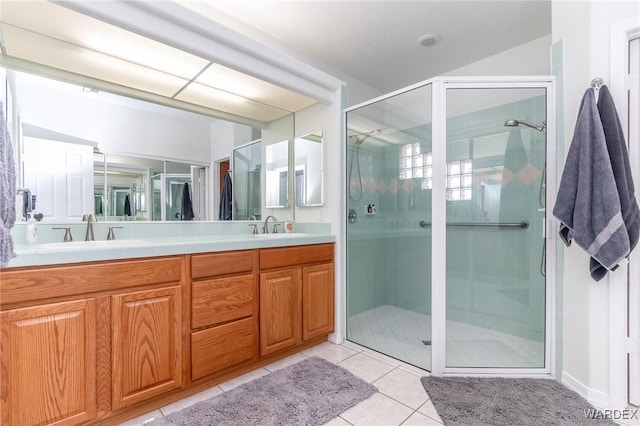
400,400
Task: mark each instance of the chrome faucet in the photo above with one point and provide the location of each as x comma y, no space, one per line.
89,218
265,228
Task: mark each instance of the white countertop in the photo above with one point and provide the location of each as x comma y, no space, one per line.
86,251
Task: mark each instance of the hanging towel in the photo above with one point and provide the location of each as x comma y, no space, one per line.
588,205
186,211
224,212
7,192
619,157
127,206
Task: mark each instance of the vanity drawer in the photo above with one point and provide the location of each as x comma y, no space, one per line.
40,282
218,348
230,262
218,300
298,255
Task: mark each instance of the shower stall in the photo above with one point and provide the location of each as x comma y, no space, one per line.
446,237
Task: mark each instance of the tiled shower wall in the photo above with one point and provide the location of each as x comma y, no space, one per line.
493,274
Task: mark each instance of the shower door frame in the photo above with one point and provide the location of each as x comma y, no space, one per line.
438,228
439,214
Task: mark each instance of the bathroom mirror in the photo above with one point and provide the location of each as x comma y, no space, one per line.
309,173
91,128
277,175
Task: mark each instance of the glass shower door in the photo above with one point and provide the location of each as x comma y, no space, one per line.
388,252
495,173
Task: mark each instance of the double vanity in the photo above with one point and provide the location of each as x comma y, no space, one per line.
136,323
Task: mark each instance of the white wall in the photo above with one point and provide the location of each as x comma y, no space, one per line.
530,58
584,29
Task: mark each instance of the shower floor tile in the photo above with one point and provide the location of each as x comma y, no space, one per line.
402,334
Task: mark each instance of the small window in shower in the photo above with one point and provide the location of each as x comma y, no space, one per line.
459,180
417,165
414,164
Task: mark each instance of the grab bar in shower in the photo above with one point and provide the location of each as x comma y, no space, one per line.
521,225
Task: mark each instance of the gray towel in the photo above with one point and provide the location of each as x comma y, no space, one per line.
7,192
619,157
588,204
226,200
186,208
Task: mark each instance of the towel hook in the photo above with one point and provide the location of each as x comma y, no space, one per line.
597,82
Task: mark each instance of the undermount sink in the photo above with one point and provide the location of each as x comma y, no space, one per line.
280,235
92,244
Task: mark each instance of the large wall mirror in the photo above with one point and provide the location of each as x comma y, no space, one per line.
84,151
128,159
309,170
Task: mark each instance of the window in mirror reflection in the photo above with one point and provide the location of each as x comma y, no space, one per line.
308,170
277,175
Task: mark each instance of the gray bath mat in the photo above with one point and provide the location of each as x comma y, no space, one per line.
499,401
311,392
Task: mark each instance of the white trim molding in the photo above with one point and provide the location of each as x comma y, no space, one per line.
618,281
598,399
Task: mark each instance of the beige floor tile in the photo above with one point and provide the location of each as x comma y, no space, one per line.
366,367
227,386
330,352
338,421
377,410
138,421
286,362
414,370
418,419
403,387
190,400
430,411
378,355
352,346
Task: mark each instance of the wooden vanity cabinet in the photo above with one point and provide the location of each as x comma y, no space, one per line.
296,295
95,342
79,342
224,311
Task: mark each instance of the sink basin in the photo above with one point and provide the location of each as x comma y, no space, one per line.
92,244
280,235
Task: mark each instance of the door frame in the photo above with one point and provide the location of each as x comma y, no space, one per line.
438,228
438,295
624,333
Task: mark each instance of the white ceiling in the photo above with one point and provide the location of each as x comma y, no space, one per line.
375,42
39,33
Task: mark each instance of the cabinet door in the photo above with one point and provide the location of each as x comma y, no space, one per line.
317,300
147,349
48,356
280,306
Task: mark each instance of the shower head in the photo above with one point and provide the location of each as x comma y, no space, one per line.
514,123
361,137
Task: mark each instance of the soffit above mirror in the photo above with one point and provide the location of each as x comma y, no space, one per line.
50,35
